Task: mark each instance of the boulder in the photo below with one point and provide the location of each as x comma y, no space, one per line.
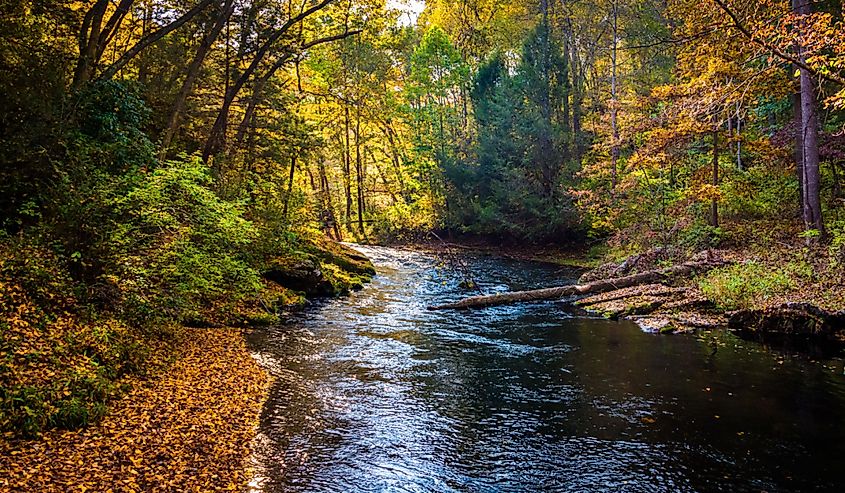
792,319
304,275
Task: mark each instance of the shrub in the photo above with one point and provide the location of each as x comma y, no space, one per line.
59,360
177,247
743,286
700,236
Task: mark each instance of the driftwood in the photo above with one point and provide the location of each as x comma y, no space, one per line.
601,286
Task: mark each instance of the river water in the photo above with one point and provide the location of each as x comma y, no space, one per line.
373,392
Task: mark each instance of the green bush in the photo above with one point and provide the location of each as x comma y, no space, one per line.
700,236
177,247
744,286
758,192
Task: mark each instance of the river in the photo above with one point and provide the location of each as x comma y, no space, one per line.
373,392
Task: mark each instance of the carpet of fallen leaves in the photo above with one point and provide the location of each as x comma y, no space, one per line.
188,428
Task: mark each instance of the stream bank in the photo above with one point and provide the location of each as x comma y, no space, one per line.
190,428
179,414
728,297
666,290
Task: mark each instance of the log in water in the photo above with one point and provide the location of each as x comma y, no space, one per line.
599,286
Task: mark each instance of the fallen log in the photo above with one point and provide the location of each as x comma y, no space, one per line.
600,286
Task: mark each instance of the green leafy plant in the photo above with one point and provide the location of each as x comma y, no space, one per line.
743,286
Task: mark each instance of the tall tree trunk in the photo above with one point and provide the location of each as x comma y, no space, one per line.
328,207
89,36
146,21
347,165
567,89
577,99
226,10
714,204
739,164
614,101
152,38
290,184
809,133
359,171
387,188
798,153
217,136
395,153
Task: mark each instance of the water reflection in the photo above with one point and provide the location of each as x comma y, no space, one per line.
376,393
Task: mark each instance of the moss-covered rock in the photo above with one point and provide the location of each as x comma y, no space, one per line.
342,256
321,268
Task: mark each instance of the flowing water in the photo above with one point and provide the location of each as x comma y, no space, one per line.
375,393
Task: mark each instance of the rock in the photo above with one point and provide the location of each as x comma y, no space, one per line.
344,257
322,268
300,275
793,319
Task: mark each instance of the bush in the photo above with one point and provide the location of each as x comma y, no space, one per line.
59,360
700,236
177,248
744,286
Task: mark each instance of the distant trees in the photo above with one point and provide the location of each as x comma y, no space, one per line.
514,181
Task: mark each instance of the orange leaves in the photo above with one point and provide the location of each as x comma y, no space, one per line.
188,429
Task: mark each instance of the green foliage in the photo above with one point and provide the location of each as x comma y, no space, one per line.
837,247
60,361
700,236
515,184
107,136
746,285
177,246
758,192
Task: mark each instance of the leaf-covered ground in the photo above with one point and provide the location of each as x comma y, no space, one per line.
186,429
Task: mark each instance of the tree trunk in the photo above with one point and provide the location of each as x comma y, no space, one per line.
577,100
359,171
810,147
328,207
738,136
152,38
89,36
347,165
290,185
798,153
600,286
714,204
387,187
217,137
397,166
614,103
226,10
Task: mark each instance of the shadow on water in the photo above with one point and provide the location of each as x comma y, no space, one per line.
375,393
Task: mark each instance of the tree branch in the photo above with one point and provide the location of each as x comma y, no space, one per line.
737,24
151,38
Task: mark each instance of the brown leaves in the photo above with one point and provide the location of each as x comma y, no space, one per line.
188,429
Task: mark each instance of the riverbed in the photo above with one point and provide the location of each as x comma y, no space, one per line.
374,392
